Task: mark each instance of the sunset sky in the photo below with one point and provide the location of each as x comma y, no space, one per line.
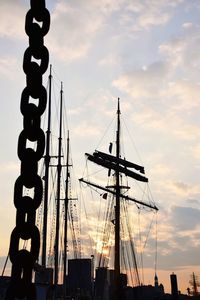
147,52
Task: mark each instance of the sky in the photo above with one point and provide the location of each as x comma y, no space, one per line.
147,53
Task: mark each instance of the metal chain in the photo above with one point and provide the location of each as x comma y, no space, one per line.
35,64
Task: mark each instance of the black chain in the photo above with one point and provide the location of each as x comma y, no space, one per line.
23,260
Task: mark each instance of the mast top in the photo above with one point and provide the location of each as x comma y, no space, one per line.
50,73
118,106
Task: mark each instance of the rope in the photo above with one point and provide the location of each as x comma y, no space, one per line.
87,221
156,244
5,264
132,249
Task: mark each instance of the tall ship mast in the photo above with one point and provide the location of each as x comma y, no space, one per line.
58,207
120,167
46,176
59,169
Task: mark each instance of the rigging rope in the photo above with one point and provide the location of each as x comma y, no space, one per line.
141,248
5,264
132,248
52,222
156,244
127,247
134,146
108,229
87,219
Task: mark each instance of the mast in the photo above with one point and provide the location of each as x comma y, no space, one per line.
66,212
46,177
117,212
107,189
59,168
119,166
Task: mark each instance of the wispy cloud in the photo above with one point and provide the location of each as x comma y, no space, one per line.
185,218
84,23
109,61
144,83
183,51
86,130
71,20
12,19
8,67
151,13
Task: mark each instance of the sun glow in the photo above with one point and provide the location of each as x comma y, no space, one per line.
103,248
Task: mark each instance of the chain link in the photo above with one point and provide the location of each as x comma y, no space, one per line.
23,260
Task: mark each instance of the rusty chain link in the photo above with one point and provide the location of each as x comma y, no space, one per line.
23,260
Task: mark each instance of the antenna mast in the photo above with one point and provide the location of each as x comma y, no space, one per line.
46,177
117,211
66,213
59,168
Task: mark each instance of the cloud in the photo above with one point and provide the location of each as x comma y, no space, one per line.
167,91
170,192
183,51
143,83
8,67
110,60
181,186
183,129
166,121
171,82
187,25
152,13
72,30
178,238
161,169
85,130
185,218
183,189
173,50
195,150
179,258
76,26
186,93
9,166
12,19
193,202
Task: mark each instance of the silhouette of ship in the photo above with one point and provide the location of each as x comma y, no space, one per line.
77,279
